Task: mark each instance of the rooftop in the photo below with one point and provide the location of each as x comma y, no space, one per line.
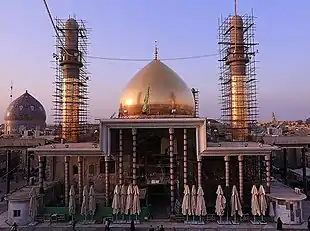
71,149
20,142
282,192
237,148
23,193
288,141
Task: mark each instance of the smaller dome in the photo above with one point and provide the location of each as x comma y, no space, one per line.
25,108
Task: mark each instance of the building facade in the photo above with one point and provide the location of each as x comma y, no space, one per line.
158,143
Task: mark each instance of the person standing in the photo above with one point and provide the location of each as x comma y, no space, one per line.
14,227
73,224
309,223
161,228
132,226
279,224
107,225
151,228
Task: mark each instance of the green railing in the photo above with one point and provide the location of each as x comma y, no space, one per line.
101,212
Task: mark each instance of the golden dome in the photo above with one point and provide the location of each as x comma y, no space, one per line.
157,90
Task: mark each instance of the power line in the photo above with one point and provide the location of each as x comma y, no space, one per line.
54,26
145,60
118,59
7,173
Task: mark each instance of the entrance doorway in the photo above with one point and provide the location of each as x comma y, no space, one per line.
159,201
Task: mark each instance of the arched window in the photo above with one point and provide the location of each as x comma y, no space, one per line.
75,169
91,169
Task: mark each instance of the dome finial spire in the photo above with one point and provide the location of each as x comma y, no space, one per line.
156,51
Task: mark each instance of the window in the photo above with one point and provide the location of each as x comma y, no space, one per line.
75,169
16,213
91,169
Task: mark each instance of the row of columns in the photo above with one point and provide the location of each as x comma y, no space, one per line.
172,180
80,179
67,179
199,165
134,161
240,165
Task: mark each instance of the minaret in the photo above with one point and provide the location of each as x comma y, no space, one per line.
71,64
156,51
237,62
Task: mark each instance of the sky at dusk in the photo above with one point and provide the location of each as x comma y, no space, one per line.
128,29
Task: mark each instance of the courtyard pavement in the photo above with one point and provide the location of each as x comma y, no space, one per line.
169,226
146,225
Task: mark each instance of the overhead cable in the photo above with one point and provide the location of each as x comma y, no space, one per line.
118,59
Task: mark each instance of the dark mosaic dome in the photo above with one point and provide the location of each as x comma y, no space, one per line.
25,108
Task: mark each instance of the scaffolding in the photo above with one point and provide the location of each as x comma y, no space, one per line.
71,79
195,93
237,77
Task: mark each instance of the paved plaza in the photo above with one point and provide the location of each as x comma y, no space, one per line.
146,225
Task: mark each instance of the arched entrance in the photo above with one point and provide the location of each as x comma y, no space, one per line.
159,200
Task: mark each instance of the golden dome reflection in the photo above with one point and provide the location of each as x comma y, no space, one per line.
156,90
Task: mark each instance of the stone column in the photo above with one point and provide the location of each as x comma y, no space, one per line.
106,175
80,178
28,166
67,161
44,168
134,156
226,159
8,171
268,172
185,156
199,168
285,165
121,179
304,170
240,161
41,175
171,133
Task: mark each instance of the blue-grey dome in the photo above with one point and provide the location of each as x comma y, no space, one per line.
25,108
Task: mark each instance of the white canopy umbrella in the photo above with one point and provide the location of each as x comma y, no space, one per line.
123,198
254,202
193,200
129,199
262,200
136,207
84,206
201,204
71,201
235,203
271,210
33,204
92,202
116,200
186,205
220,202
